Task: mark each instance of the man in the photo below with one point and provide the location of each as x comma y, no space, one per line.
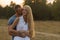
13,22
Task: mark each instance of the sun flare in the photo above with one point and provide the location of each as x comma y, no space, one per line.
50,1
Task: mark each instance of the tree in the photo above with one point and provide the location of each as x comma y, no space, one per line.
39,9
1,11
56,10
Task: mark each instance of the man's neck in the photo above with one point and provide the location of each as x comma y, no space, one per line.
17,15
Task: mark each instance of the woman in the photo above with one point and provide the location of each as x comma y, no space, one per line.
25,24
30,20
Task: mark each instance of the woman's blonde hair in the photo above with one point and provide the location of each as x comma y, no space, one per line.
30,20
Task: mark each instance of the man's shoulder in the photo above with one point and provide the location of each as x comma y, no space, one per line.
12,17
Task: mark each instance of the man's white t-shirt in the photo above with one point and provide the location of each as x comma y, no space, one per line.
22,26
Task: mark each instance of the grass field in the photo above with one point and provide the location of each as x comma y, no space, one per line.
46,27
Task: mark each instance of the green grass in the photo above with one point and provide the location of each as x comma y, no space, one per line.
40,26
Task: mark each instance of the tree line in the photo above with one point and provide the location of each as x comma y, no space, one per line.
41,10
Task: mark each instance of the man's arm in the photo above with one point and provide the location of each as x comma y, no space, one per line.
10,28
12,32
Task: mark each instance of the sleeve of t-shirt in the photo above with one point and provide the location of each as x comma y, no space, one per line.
10,21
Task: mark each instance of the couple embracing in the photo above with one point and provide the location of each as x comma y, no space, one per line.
21,24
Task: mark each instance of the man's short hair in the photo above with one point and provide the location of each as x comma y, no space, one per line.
17,6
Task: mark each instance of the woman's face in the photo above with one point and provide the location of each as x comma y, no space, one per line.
24,12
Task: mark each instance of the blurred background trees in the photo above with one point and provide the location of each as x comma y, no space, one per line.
41,10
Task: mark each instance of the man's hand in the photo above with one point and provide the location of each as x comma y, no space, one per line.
22,34
27,33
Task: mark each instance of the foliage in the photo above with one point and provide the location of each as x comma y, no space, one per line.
41,11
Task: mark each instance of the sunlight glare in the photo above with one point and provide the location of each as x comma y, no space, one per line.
50,1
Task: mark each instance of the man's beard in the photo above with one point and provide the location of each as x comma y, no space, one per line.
19,13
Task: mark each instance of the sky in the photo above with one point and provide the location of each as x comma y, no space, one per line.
3,3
